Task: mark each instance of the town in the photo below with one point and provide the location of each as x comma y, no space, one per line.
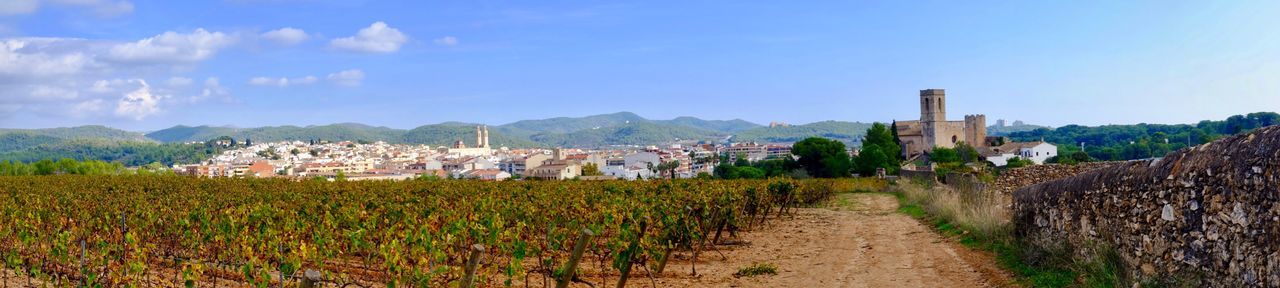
359,160
382,161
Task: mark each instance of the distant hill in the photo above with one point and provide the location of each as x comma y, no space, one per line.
83,132
634,133
622,128
1140,141
14,141
848,132
343,131
735,125
587,131
444,135
994,130
129,153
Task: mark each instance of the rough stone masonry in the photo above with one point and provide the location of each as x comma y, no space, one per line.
1209,214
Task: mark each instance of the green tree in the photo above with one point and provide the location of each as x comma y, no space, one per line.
590,169
872,157
1016,162
882,136
822,158
944,155
726,171
750,173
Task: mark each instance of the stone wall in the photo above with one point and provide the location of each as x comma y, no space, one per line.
918,174
1210,213
1012,179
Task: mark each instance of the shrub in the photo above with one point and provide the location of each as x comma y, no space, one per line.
756,270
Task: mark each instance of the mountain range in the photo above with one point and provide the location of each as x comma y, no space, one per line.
622,128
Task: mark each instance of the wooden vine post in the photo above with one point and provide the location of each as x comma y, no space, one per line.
468,280
572,266
310,278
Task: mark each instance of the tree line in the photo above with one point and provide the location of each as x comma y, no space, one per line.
817,157
1140,141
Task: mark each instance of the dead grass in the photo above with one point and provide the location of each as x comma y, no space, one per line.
974,211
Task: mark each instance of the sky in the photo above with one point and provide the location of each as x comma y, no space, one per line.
145,65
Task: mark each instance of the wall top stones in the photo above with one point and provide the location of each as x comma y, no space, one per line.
1210,213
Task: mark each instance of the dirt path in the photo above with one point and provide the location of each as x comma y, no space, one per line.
859,241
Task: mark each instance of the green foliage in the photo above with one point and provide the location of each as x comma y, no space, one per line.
944,155
750,173
882,136
822,158
82,132
344,131
871,158
1127,142
1010,129
1070,159
62,166
390,231
880,149
126,153
734,125
634,133
967,153
743,169
1016,162
757,270
849,133
590,169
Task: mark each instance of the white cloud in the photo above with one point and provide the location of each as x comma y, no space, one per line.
377,38
286,36
212,88
179,81
44,92
99,7
14,7
446,41
350,78
63,77
41,57
171,47
85,108
139,103
107,86
282,81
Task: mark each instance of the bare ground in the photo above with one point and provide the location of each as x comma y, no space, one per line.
859,240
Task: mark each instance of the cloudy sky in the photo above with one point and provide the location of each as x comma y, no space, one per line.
146,65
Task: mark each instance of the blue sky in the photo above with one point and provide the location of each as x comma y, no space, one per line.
146,65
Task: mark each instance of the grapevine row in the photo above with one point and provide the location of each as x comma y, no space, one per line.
113,231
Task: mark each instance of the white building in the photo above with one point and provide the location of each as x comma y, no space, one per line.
628,172
1037,152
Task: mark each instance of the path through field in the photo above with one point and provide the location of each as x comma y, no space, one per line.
858,241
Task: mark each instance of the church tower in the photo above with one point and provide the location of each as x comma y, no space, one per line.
933,106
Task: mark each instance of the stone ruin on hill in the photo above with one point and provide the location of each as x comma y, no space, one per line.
1208,215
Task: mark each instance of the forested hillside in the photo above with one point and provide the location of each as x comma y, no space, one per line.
848,132
1126,142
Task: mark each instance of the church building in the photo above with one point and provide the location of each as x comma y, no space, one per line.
933,129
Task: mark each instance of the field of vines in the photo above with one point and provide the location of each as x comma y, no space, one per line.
170,231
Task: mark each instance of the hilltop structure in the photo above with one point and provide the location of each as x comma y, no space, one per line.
482,145
933,129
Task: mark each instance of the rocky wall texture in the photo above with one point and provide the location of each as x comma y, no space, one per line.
1012,179
1208,214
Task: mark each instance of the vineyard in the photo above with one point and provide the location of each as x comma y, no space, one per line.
171,231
